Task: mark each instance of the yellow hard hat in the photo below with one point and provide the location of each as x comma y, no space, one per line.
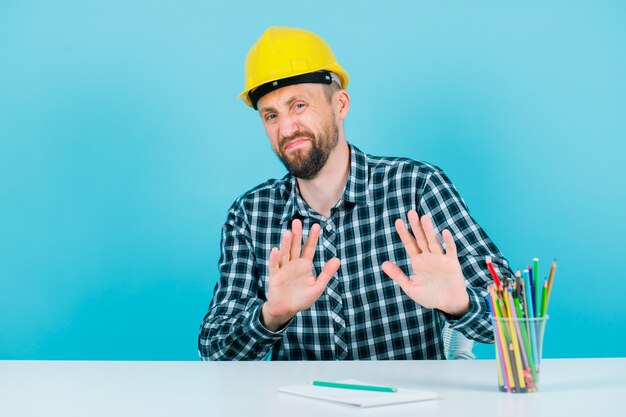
284,53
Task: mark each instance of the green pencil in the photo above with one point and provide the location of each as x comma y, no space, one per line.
526,339
352,386
544,298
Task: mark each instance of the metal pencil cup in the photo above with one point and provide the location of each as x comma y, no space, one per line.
518,344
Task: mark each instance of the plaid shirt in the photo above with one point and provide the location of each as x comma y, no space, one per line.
362,314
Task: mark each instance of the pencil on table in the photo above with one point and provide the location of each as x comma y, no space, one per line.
352,386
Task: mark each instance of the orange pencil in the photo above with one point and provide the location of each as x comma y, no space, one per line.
551,278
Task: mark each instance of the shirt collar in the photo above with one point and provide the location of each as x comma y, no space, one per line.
356,190
357,187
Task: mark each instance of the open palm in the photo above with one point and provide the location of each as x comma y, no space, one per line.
437,280
292,286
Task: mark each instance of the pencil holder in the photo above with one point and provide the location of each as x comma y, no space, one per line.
518,344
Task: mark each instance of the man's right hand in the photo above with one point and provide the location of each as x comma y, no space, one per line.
292,286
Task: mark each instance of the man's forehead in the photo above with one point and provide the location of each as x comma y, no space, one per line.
287,94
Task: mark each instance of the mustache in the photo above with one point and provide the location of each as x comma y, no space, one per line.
299,134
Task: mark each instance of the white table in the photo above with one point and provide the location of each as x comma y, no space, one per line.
569,387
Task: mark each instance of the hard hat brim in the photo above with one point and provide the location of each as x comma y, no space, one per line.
336,68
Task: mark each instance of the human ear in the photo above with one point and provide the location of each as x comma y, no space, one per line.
342,101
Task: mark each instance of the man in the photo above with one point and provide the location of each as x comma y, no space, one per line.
321,263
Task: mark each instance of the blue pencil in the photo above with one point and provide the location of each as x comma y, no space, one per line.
538,287
531,285
531,315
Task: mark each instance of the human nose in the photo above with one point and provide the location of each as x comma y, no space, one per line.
288,126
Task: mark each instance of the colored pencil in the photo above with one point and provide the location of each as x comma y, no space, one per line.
531,315
514,345
550,281
544,298
516,377
514,302
498,345
522,293
353,386
529,271
526,338
504,354
537,287
492,270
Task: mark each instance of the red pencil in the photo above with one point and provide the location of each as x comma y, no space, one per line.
493,272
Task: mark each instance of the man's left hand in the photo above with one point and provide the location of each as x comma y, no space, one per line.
437,280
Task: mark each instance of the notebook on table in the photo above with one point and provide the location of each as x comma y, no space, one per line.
359,398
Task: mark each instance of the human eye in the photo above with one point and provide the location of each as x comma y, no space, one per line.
299,105
270,116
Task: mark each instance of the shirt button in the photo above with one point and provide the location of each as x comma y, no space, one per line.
329,227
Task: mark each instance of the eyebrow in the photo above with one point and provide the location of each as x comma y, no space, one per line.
288,103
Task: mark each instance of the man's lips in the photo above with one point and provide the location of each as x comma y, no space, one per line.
295,143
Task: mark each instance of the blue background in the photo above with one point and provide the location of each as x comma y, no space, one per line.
122,146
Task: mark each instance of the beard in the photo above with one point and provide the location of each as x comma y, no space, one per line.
307,163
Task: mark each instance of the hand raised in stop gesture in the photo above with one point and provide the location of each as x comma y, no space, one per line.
292,286
437,279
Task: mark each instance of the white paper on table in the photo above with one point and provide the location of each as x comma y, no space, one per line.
359,398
